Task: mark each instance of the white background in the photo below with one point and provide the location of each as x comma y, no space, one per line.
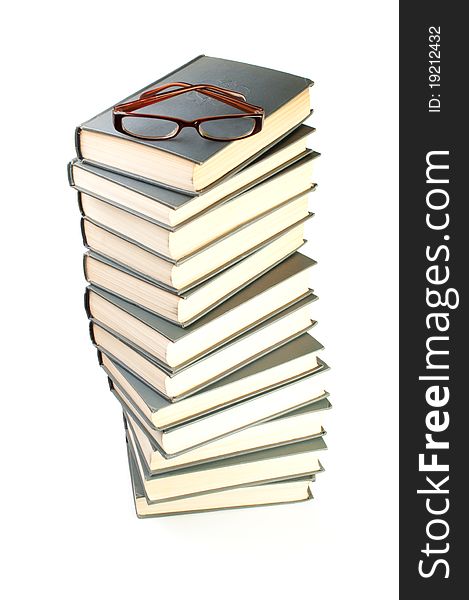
68,524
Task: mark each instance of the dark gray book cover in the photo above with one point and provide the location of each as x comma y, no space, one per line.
320,403
174,198
316,444
237,229
290,267
138,490
179,294
185,292
263,87
252,330
316,405
213,242
301,346
151,431
220,376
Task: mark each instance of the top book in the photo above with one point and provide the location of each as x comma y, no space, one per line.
190,162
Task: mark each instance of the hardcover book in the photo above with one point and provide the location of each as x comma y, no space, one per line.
219,227
177,384
196,433
290,365
264,337
298,424
186,306
279,492
206,262
300,459
169,208
175,346
190,162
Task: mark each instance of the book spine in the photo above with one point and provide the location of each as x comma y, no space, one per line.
85,269
92,338
86,300
80,206
100,357
77,143
70,173
83,233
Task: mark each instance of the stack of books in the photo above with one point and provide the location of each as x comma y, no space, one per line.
198,298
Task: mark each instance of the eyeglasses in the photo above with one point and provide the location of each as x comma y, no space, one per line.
162,127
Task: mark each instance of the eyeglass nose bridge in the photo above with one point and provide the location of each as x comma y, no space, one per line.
183,124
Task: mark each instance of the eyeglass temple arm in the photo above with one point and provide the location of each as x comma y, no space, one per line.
155,94
192,86
230,97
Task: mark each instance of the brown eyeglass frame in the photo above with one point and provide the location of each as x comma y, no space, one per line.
230,97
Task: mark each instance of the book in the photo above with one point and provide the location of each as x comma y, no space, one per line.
272,331
199,431
184,307
169,208
178,383
279,492
299,459
219,231
206,262
301,423
174,345
264,380
190,162
178,277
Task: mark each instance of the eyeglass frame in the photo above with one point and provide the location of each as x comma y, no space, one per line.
150,97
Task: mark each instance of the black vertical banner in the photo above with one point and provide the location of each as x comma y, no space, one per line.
434,329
